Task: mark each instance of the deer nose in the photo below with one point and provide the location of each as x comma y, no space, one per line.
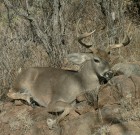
108,75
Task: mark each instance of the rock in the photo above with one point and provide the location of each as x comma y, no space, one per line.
83,107
83,125
127,69
18,102
125,128
120,94
110,114
126,86
117,88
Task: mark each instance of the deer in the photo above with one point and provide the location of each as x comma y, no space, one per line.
57,89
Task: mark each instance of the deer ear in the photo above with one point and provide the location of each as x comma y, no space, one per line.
78,58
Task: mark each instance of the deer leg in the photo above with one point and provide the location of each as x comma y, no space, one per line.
58,106
18,95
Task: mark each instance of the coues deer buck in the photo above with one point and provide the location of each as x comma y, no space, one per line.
57,89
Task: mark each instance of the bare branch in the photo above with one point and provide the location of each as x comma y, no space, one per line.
39,32
20,12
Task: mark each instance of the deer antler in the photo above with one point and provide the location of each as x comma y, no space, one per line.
98,51
80,37
125,42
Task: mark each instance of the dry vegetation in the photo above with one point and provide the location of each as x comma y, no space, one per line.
45,33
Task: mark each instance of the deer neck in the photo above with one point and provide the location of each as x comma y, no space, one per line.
89,77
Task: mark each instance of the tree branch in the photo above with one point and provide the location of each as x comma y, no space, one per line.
22,13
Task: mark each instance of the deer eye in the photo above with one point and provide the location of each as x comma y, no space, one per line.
96,60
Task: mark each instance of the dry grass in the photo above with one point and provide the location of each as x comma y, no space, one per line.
22,120
130,109
104,130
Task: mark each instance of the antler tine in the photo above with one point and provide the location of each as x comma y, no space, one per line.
81,36
86,34
125,42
